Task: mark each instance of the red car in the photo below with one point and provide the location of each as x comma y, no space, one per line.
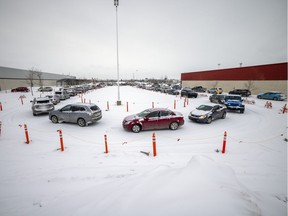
154,118
20,89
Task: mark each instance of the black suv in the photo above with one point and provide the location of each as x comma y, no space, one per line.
199,89
187,92
242,92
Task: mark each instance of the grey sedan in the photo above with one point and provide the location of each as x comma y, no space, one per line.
80,113
207,113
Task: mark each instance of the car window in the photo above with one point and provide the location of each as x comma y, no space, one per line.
42,101
66,108
204,108
164,113
75,108
143,113
94,108
153,114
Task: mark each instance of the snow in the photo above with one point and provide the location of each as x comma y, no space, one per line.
187,177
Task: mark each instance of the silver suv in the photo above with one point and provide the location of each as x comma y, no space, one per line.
63,95
80,113
42,105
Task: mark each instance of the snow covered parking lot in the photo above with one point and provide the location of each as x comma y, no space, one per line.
187,177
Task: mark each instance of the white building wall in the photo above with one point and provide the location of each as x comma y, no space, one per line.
7,84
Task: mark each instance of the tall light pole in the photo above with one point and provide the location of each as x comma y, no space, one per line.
116,4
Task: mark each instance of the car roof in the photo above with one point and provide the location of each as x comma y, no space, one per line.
42,98
209,104
83,104
158,109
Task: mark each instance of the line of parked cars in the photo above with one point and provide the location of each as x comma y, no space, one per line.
149,119
45,104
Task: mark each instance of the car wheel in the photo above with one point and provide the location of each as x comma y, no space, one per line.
224,115
275,99
136,128
209,120
54,119
259,97
81,122
242,111
174,126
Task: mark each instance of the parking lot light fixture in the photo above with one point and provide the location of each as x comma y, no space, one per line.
116,4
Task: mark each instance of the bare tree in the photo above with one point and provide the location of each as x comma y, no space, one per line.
30,78
250,85
215,84
39,76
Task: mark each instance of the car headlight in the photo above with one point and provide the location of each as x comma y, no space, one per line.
127,122
203,116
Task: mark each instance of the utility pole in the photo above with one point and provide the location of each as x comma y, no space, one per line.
116,4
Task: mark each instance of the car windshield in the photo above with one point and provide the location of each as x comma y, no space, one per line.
204,108
144,113
232,98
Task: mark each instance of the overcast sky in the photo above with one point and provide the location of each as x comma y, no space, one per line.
157,38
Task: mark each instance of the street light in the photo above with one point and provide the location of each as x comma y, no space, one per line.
116,4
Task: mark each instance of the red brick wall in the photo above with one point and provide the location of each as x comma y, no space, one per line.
261,72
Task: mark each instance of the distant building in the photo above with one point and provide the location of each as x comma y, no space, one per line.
261,78
12,78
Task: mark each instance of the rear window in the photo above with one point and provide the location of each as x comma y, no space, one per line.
42,101
94,108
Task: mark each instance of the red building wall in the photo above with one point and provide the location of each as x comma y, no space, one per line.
261,72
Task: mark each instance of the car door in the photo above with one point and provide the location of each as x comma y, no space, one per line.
217,112
266,96
65,113
151,121
164,119
75,114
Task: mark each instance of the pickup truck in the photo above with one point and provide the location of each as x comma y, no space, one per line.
234,102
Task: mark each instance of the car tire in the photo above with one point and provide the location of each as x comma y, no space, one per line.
174,126
54,119
81,122
224,115
275,99
209,120
259,97
242,111
136,128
